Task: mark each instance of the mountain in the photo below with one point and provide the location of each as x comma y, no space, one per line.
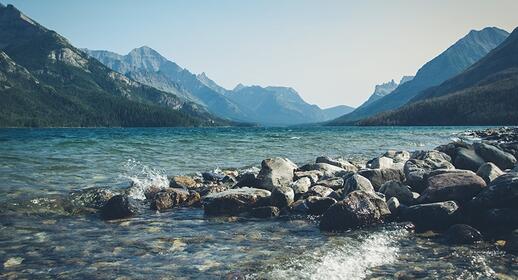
45,81
336,111
484,94
380,91
211,84
457,58
147,66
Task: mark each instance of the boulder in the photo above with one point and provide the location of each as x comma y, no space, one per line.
174,197
493,154
299,207
275,172
318,205
328,170
378,177
313,175
318,190
247,179
211,188
357,183
511,243
431,156
212,177
235,201
397,156
344,164
497,220
451,148
119,207
468,159
301,186
380,163
333,183
459,186
462,234
489,172
358,209
438,215
500,193
282,196
264,212
415,171
396,189
89,198
184,182
393,205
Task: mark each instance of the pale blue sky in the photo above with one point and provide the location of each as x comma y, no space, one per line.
332,52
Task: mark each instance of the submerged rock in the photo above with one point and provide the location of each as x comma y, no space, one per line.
235,201
275,172
173,197
358,209
493,154
489,171
93,198
455,185
462,234
436,215
357,183
119,207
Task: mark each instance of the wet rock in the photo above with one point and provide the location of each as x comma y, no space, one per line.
497,219
358,209
299,207
301,186
327,170
415,171
462,234
357,183
119,207
438,215
184,182
235,201
396,189
212,177
460,186
493,154
393,205
489,171
282,196
313,175
318,205
211,188
511,244
318,190
468,159
337,162
275,172
264,212
247,180
380,163
333,183
500,193
378,177
174,197
93,198
451,148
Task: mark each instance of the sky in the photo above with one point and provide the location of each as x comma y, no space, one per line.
331,52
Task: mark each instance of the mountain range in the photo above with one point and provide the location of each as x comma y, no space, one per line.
485,94
453,61
263,105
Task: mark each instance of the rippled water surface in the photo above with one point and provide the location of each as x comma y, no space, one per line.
39,239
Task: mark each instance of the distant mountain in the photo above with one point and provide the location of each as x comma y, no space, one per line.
484,94
336,111
45,81
211,84
147,66
451,62
380,91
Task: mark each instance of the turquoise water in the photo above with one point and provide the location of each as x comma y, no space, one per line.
38,167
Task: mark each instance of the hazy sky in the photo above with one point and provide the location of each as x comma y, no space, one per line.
332,52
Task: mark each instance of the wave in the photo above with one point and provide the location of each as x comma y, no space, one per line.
143,177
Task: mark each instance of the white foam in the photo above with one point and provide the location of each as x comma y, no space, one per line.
143,177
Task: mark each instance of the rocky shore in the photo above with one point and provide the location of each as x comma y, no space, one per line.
464,191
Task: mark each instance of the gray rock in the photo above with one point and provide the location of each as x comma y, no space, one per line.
416,170
247,179
438,215
264,212
301,186
235,201
432,156
489,172
358,209
457,186
299,207
93,198
185,182
493,154
313,175
393,205
396,189
397,156
318,205
357,183
318,190
333,183
119,207
327,170
173,197
275,172
500,193
378,177
462,234
468,159
282,196
380,163
337,162
451,148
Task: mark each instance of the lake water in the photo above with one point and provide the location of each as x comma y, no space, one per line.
40,239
